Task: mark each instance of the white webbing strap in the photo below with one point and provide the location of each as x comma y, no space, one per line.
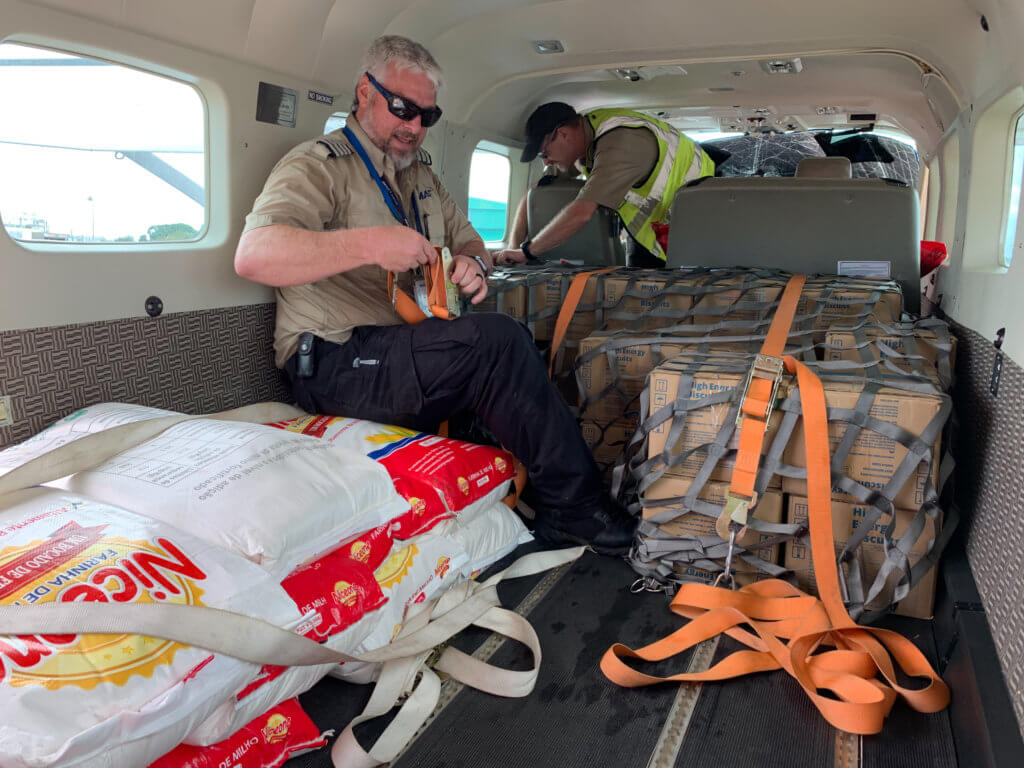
260,642
92,450
404,671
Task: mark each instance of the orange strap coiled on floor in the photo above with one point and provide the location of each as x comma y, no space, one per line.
790,626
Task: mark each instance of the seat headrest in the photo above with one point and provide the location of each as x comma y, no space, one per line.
824,168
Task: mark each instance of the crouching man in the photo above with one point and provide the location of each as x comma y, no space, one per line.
340,212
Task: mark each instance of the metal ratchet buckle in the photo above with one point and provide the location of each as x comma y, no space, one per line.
764,367
737,508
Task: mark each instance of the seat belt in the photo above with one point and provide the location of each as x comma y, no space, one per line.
791,627
405,661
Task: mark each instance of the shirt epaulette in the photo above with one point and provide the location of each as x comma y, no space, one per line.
423,156
334,147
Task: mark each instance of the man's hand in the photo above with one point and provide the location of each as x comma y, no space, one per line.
466,274
509,256
398,249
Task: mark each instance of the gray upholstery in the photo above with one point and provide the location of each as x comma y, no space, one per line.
824,168
800,225
597,243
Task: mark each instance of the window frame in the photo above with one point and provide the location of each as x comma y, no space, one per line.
1016,127
503,151
153,70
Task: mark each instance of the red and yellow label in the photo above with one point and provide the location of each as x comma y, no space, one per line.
80,564
395,568
276,728
463,484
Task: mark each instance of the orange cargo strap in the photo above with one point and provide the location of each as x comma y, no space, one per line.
572,300
410,311
437,294
790,627
756,403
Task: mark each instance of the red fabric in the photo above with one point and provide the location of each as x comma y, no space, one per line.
661,234
266,742
933,253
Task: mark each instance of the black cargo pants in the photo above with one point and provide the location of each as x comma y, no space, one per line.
420,375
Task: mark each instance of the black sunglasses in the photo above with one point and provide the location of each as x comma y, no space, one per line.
404,109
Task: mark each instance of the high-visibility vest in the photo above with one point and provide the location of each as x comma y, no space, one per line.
679,160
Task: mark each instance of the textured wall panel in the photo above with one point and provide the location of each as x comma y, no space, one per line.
990,489
196,362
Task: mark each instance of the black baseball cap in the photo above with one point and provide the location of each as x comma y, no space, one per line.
544,120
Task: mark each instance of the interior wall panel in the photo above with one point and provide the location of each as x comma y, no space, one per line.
195,362
990,463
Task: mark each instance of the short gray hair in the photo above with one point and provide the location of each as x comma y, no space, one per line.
403,53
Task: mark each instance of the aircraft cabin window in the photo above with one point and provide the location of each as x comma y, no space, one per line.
96,152
489,175
335,121
1016,173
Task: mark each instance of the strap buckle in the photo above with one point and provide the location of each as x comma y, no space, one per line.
764,367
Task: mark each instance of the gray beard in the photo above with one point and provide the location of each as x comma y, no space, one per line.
401,161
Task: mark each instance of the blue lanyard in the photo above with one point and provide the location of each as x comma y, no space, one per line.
390,198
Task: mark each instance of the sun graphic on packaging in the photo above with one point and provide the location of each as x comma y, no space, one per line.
92,568
418,506
499,464
463,484
394,569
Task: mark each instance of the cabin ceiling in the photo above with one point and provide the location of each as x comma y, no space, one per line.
321,42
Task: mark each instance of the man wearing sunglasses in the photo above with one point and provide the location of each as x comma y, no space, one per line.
633,163
335,217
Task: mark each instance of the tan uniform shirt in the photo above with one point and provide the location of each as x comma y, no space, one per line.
323,185
621,159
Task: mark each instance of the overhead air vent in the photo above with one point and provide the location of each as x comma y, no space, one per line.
867,117
721,89
548,46
782,66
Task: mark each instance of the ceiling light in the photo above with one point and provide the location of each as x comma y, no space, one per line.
782,66
548,46
630,75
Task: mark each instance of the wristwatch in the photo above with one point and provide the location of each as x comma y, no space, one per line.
525,248
483,266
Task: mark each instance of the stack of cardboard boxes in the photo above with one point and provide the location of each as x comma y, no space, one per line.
687,339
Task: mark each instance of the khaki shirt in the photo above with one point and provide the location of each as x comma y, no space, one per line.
323,185
621,159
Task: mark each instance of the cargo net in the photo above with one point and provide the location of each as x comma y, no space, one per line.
660,360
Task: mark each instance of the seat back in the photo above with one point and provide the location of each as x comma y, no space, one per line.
804,225
597,244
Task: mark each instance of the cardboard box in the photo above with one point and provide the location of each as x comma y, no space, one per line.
607,440
769,509
703,423
845,519
743,573
634,362
841,344
873,458
849,299
506,294
645,300
750,300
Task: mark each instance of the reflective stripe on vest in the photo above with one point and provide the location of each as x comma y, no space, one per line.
679,160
